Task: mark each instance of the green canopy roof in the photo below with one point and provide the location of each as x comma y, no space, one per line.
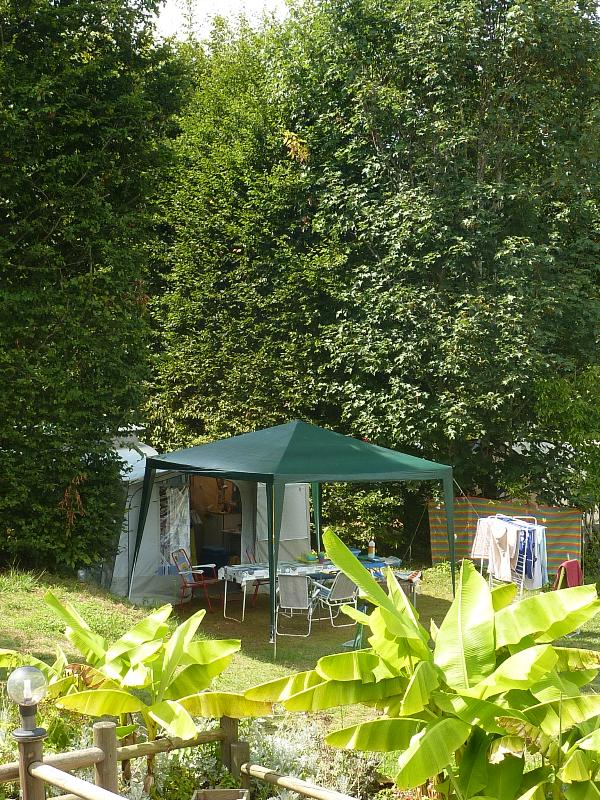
296,453
299,453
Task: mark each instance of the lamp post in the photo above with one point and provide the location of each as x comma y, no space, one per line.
26,686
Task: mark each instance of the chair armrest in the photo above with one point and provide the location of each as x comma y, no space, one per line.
320,588
199,566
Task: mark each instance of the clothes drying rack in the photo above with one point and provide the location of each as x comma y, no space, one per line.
517,578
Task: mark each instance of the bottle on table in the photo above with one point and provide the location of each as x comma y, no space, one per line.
371,549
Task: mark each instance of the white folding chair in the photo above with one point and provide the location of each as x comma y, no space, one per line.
294,597
342,592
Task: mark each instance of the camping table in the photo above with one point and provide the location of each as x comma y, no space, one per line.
243,574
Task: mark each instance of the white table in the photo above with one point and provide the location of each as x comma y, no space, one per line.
243,574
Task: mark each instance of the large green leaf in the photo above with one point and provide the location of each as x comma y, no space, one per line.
506,746
560,715
66,611
546,616
420,686
357,665
576,767
554,686
342,693
474,711
591,741
175,649
464,647
91,646
472,773
195,678
224,704
430,751
518,672
588,790
152,627
205,651
174,718
533,779
101,702
380,735
503,596
393,648
536,792
283,688
504,778
351,566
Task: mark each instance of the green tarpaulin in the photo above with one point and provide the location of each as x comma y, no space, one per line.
296,453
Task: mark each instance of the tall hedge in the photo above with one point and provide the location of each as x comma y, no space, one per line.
86,97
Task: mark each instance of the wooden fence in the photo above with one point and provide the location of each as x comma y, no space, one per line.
34,769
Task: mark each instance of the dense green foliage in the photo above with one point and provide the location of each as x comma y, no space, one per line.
385,219
85,95
464,706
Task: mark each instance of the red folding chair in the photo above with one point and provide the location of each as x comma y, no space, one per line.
198,576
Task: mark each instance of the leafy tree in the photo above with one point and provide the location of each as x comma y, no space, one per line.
247,285
452,151
86,97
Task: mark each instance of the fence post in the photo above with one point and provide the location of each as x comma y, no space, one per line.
106,771
229,729
31,750
240,754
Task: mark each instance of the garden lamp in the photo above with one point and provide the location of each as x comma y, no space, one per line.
26,686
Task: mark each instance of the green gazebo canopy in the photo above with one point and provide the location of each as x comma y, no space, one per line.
297,453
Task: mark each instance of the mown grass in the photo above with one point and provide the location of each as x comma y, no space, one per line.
30,626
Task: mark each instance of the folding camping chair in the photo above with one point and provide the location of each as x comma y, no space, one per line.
294,596
342,592
198,576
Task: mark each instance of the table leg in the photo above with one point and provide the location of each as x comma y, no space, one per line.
244,587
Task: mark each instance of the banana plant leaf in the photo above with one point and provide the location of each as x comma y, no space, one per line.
506,746
152,627
137,677
359,665
474,711
472,775
101,702
537,741
537,792
394,647
60,686
91,646
224,704
535,778
205,651
590,742
195,678
502,596
547,616
560,715
283,688
576,658
423,682
430,751
554,686
174,718
504,779
351,566
66,612
379,735
175,648
464,647
342,693
576,767
517,672
587,790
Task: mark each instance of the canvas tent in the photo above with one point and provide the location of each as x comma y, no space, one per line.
294,453
171,523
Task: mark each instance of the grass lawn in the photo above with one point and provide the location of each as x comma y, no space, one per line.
29,625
